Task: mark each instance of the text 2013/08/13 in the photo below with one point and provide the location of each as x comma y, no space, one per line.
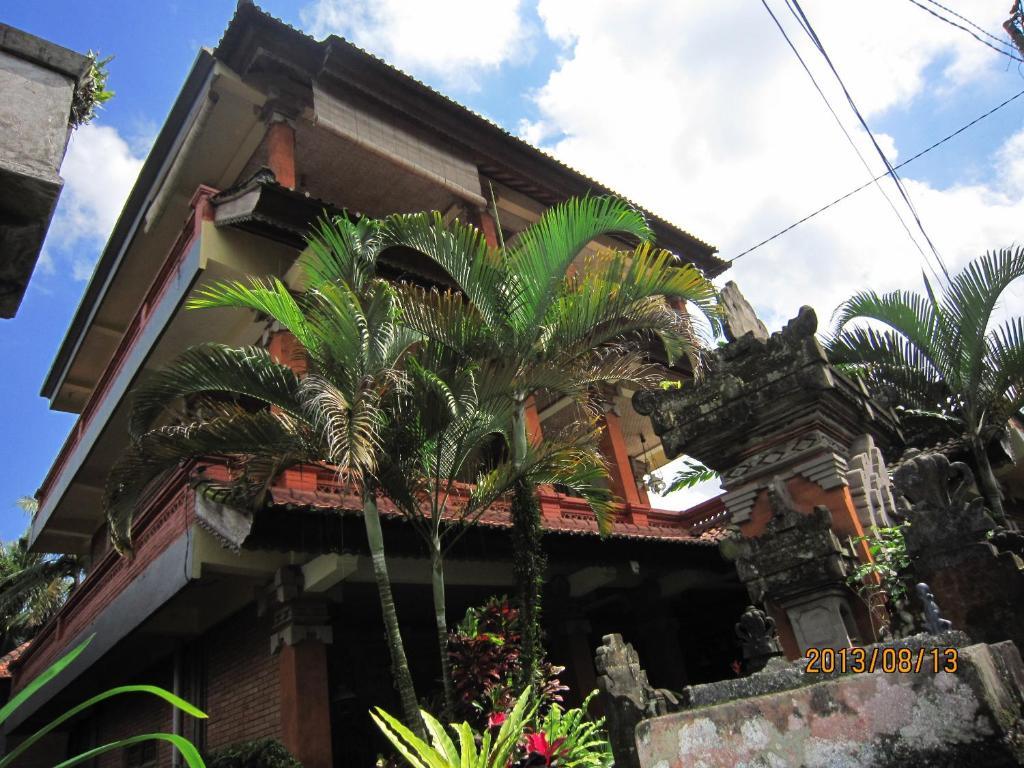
859,660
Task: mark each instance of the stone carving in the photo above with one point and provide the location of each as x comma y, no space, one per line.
955,548
629,697
869,483
799,564
756,632
766,407
295,615
740,318
933,621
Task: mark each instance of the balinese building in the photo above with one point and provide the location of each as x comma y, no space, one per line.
284,638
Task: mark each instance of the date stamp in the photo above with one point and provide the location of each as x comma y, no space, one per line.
826,661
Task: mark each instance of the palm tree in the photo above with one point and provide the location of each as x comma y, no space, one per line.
347,321
938,356
445,429
535,319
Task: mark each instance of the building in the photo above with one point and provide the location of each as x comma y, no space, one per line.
39,81
283,638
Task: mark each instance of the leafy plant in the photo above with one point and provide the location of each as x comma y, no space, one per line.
541,313
92,92
884,582
489,751
582,743
259,753
188,751
485,652
690,474
938,358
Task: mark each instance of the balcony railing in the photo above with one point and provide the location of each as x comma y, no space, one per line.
168,512
200,211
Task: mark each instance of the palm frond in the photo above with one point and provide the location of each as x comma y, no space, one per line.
540,255
341,249
215,368
461,251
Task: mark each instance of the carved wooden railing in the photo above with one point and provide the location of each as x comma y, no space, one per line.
200,211
168,512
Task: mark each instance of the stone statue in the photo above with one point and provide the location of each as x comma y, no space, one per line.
758,639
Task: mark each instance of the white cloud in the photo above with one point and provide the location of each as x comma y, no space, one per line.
455,39
99,170
702,113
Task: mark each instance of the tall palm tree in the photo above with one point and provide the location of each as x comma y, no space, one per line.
939,357
446,429
347,322
536,319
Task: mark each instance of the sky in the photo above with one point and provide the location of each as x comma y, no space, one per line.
697,110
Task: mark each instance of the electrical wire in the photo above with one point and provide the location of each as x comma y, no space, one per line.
846,133
864,186
965,29
805,23
983,31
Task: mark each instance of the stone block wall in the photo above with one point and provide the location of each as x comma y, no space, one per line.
877,720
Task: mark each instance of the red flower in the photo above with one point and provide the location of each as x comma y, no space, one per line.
496,719
537,744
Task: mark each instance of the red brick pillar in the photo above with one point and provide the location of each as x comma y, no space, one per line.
281,150
305,703
284,348
301,634
613,447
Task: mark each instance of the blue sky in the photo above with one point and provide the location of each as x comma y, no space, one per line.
695,109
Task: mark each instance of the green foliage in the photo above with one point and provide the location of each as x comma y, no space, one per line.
938,355
692,473
584,744
890,562
485,653
92,93
33,587
188,752
472,751
259,753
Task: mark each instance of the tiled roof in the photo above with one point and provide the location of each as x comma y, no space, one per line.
560,514
233,37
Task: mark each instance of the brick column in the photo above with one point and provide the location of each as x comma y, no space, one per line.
281,149
613,446
301,634
284,348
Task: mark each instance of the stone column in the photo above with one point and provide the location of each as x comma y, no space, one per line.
301,632
772,412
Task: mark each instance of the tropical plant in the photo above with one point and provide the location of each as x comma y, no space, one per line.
883,582
492,750
92,92
188,751
33,587
260,753
582,742
263,417
443,434
938,357
531,321
691,473
485,653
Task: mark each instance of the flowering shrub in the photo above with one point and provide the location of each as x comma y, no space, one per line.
485,656
519,738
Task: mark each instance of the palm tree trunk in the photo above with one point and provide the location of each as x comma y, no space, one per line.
440,615
989,484
399,665
528,562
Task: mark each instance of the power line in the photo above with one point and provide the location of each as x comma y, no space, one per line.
805,23
842,127
970,23
965,29
864,186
